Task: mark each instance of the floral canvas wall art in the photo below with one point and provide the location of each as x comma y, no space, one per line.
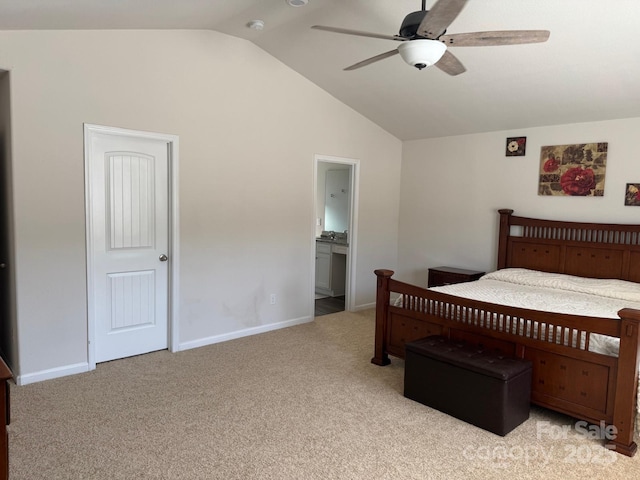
573,170
632,195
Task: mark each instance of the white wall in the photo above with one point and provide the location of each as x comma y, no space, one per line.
249,128
452,187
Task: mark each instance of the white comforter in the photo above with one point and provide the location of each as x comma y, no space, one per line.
553,292
558,293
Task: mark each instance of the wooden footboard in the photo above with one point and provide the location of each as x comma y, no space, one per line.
567,377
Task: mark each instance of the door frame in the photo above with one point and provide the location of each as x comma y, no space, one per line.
172,142
350,280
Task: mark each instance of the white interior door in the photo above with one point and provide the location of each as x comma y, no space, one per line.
128,202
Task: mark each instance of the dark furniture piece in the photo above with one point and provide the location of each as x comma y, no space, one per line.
473,384
5,376
448,275
567,377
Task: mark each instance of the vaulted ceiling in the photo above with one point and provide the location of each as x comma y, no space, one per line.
588,70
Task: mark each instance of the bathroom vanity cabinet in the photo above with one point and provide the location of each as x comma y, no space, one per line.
331,268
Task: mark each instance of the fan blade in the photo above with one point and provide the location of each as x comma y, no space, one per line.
440,17
499,37
368,61
359,33
450,64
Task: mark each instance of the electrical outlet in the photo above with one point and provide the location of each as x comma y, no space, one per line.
272,299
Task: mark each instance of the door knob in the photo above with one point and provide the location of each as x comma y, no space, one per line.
163,258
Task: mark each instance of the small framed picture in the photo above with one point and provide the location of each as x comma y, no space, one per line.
632,195
516,146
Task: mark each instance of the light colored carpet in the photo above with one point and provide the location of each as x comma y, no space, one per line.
299,403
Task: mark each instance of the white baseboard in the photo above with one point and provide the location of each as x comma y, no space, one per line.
366,306
52,373
202,342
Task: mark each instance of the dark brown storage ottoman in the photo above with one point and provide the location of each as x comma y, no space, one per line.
480,387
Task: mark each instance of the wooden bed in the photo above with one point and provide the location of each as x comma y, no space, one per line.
567,377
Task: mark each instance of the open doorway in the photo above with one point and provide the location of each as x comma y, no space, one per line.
8,316
334,233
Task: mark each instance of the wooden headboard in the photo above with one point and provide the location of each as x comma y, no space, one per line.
597,250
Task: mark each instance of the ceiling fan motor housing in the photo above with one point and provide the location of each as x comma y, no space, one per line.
411,23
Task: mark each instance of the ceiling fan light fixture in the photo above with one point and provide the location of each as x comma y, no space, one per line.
422,53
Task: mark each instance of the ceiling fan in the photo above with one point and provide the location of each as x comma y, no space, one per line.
425,42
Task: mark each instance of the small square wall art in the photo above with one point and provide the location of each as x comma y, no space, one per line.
632,195
516,146
576,170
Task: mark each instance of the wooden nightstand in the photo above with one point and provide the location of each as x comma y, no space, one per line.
447,275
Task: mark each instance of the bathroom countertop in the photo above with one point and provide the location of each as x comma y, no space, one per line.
337,241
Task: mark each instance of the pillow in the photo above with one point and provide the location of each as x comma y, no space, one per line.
608,287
